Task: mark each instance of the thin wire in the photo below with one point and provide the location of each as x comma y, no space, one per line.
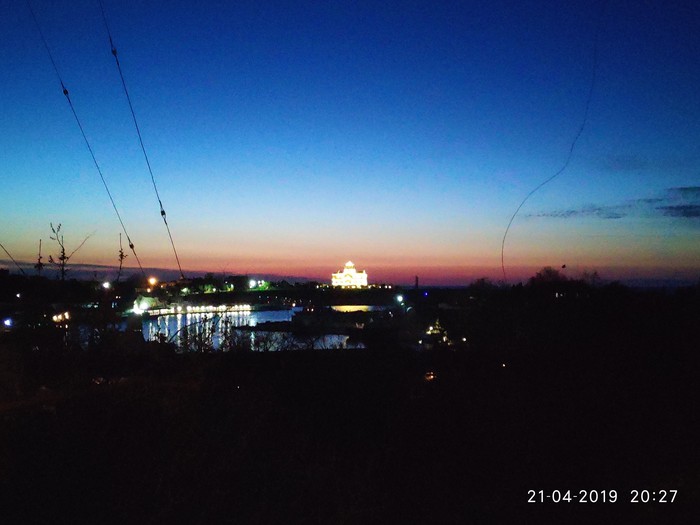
87,143
12,259
573,142
138,132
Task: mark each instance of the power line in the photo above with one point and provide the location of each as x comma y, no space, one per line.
82,132
138,132
573,142
12,259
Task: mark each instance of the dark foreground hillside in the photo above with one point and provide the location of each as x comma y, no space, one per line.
591,397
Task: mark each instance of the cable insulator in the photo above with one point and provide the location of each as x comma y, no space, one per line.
138,133
82,131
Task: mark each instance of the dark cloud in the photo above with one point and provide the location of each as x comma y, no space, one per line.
685,211
610,215
559,214
638,163
680,202
624,163
602,212
686,192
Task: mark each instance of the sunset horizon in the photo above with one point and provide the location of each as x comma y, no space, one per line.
285,140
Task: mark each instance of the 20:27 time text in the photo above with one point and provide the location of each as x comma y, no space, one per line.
600,496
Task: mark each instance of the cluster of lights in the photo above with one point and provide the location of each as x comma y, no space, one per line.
220,308
437,330
143,307
444,338
140,308
152,281
59,318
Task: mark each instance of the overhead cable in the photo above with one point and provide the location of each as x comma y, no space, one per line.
573,142
138,132
12,259
87,143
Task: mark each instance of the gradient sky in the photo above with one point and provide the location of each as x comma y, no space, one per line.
289,137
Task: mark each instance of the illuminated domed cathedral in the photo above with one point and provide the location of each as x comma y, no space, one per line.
349,277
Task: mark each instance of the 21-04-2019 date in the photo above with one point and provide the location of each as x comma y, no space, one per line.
601,496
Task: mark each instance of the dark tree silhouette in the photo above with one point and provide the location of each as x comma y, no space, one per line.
122,256
39,266
61,262
547,275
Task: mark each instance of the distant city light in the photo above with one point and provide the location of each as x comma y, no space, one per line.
399,298
140,308
198,310
18,296
152,281
252,283
7,322
106,285
59,318
349,277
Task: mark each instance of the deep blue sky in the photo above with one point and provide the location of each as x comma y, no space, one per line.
289,137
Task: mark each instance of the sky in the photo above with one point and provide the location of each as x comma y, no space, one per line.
289,137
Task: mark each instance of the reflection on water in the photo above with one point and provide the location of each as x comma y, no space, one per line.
201,332
347,308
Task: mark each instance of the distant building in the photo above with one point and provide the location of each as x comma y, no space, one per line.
349,277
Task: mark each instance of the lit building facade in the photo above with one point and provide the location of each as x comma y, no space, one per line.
349,277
